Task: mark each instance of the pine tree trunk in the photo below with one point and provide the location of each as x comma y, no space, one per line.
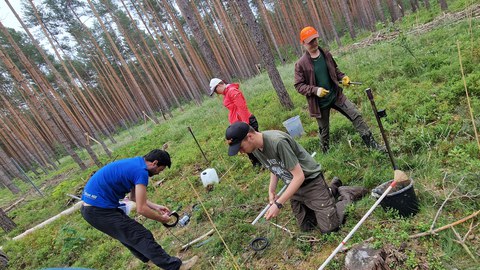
414,4
348,18
267,56
443,5
6,223
427,4
200,37
393,9
129,76
263,12
379,11
329,20
8,183
45,116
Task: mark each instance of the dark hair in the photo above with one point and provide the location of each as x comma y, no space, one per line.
161,156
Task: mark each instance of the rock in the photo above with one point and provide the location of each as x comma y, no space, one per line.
365,257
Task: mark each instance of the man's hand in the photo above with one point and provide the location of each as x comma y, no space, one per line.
321,92
159,208
272,211
346,81
165,217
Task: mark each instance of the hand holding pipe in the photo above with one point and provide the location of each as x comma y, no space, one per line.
268,205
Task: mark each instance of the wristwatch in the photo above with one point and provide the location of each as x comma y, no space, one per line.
279,205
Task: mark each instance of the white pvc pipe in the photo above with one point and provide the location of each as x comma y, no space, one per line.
268,206
357,226
278,195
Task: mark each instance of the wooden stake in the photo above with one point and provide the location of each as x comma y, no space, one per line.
468,97
215,227
198,239
444,227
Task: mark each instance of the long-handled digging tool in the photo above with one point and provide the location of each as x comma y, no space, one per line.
399,177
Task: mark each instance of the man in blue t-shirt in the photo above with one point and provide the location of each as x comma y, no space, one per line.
101,200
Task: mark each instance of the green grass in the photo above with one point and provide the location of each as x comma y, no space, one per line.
416,78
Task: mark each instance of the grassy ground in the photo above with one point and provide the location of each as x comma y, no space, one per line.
416,78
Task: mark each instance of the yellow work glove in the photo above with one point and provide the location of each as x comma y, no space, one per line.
345,81
321,92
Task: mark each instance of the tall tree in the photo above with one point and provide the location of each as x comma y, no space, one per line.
348,18
427,4
188,14
443,4
267,56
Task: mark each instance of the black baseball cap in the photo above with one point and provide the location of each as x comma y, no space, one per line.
235,134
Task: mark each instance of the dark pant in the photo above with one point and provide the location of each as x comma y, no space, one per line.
349,110
252,121
314,207
139,240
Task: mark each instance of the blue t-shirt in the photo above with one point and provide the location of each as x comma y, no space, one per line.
112,182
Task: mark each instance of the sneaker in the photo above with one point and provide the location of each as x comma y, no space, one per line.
189,263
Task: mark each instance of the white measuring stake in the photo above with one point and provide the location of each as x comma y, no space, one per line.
357,226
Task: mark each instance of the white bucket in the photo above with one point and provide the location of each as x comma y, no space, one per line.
294,126
209,176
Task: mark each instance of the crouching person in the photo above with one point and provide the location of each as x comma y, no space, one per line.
313,202
100,209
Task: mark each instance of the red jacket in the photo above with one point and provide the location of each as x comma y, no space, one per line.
236,104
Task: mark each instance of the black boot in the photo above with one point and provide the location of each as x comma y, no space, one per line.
334,185
371,143
351,194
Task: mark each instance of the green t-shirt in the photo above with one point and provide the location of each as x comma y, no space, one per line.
281,153
322,79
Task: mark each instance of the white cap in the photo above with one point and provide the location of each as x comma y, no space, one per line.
213,83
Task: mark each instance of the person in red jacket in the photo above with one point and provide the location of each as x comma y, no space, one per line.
236,104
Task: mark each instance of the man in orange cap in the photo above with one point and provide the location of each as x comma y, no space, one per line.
317,77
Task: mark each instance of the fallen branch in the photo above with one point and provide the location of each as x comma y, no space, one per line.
444,227
209,233
283,228
13,205
462,243
50,220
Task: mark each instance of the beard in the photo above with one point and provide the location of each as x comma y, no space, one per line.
150,173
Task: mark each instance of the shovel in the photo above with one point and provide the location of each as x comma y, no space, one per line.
400,177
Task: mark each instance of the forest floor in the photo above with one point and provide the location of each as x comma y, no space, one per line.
379,36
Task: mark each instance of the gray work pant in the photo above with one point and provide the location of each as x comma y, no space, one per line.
314,206
349,110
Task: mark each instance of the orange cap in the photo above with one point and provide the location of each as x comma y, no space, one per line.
307,34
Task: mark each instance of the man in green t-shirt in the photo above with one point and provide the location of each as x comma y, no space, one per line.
313,202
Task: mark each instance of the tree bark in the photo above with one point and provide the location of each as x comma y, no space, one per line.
267,56
6,223
427,4
201,38
443,4
348,18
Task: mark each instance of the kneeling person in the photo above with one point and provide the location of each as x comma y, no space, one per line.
313,202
